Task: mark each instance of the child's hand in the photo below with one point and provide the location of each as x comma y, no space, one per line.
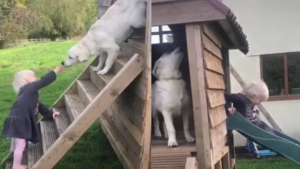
55,115
232,110
59,69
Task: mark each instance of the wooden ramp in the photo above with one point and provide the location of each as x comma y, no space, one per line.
87,99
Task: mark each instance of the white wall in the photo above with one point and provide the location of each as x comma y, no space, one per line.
272,26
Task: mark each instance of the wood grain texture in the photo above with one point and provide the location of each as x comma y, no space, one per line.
211,47
214,81
215,98
210,32
184,12
213,63
218,133
191,163
217,115
221,154
196,60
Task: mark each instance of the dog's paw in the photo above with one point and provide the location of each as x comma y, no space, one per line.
102,72
172,143
95,68
189,138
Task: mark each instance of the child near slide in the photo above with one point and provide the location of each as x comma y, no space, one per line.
245,102
21,125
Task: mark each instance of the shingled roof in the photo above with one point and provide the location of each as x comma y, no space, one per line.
236,27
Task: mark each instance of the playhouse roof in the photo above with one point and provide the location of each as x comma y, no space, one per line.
200,11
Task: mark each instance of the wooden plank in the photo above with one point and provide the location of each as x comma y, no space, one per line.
191,163
226,65
115,144
213,63
91,113
146,148
226,161
217,115
184,12
213,80
219,156
215,98
89,92
195,56
218,165
218,133
211,47
48,133
127,149
210,32
260,106
221,144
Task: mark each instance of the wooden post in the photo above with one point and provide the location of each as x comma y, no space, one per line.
230,136
146,147
260,106
195,55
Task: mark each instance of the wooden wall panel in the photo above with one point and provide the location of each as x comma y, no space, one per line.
218,133
217,115
213,80
215,98
210,46
213,63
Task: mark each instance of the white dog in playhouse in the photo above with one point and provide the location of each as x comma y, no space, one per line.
170,97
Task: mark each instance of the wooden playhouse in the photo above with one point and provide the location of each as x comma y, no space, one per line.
205,30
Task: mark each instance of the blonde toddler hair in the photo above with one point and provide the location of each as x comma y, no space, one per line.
20,79
257,89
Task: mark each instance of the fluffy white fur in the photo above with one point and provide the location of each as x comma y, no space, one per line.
170,97
107,33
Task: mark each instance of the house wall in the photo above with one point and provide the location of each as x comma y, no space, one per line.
270,27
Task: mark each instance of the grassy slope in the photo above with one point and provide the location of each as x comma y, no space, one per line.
93,149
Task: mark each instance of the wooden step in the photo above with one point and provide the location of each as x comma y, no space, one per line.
63,121
35,152
91,113
49,134
87,91
73,106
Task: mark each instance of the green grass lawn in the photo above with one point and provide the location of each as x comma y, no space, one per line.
93,150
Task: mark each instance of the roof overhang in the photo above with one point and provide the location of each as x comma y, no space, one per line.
169,12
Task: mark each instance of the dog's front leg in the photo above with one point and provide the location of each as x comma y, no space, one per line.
112,55
157,132
102,58
172,142
185,121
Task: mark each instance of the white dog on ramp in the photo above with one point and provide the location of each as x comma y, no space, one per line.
170,97
107,33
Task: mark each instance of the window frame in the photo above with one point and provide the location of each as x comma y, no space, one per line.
286,95
160,33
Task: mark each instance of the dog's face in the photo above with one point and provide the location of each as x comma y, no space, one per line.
76,55
167,66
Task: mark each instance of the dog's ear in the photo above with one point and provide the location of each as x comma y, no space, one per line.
176,50
83,56
156,70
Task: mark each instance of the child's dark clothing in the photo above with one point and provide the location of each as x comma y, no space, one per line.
244,106
22,121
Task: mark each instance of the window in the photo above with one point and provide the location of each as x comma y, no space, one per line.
161,34
281,72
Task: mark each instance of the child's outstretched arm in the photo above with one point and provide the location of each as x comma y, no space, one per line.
236,102
46,112
46,79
